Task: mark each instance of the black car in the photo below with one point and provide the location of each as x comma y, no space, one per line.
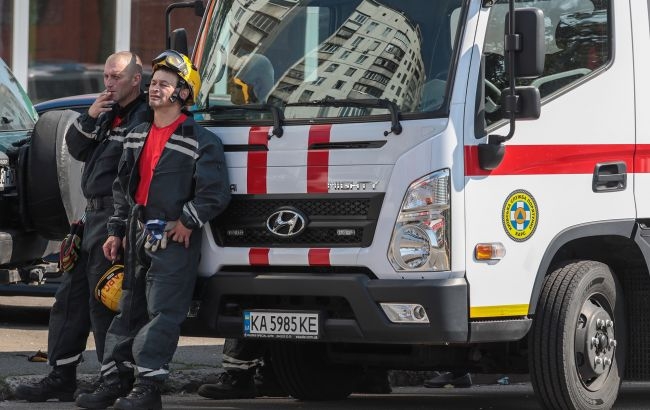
39,188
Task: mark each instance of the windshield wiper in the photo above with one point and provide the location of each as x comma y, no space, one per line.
278,116
395,128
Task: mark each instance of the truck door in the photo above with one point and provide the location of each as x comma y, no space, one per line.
641,33
570,170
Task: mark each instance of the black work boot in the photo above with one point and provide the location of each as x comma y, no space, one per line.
231,384
87,387
59,384
112,387
144,395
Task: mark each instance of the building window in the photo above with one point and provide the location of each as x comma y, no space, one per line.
339,84
345,54
367,89
353,112
386,64
305,96
373,25
386,32
331,68
357,41
345,32
318,81
402,38
360,18
350,71
361,59
263,22
380,78
329,47
394,50
239,13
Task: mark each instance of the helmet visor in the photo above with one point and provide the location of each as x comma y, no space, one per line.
173,60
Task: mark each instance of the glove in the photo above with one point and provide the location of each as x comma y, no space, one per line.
155,234
69,252
71,245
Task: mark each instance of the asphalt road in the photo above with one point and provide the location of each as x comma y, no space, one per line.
23,330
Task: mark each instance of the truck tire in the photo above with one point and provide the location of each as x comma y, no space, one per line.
305,373
52,177
578,338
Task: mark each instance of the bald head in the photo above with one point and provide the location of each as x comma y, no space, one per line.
130,61
122,76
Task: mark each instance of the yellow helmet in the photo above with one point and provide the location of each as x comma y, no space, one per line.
109,287
183,67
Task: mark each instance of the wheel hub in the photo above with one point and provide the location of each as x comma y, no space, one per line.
594,343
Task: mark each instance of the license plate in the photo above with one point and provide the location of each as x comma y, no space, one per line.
281,325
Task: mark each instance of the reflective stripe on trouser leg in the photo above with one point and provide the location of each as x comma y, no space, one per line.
170,285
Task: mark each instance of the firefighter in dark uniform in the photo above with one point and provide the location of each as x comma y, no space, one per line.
172,179
95,138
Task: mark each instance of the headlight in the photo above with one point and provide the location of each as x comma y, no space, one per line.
420,240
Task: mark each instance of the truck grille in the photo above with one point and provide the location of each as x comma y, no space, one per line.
332,220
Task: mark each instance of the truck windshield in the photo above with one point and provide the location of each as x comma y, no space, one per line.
284,52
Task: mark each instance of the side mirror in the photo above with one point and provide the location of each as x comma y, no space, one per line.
529,44
526,104
178,40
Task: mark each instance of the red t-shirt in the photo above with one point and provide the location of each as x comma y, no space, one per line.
116,121
151,152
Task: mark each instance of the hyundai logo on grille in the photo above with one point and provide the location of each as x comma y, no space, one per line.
286,223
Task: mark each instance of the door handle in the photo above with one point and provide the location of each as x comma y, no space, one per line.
609,177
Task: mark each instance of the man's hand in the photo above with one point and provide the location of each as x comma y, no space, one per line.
180,233
103,103
111,248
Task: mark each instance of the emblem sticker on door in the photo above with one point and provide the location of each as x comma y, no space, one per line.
520,215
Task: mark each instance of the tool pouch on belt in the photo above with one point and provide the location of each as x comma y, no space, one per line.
71,245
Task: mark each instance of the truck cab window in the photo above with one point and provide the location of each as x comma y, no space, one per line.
344,50
577,44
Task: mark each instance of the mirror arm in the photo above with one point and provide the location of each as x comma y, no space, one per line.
197,5
491,153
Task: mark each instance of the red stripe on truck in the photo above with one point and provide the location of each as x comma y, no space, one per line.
558,159
257,160
318,160
258,256
319,257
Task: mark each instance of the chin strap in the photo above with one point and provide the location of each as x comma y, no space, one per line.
176,95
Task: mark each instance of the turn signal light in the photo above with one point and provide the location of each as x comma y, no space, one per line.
489,251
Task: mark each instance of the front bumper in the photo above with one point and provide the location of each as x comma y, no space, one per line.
349,304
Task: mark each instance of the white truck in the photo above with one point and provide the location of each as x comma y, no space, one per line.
391,207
